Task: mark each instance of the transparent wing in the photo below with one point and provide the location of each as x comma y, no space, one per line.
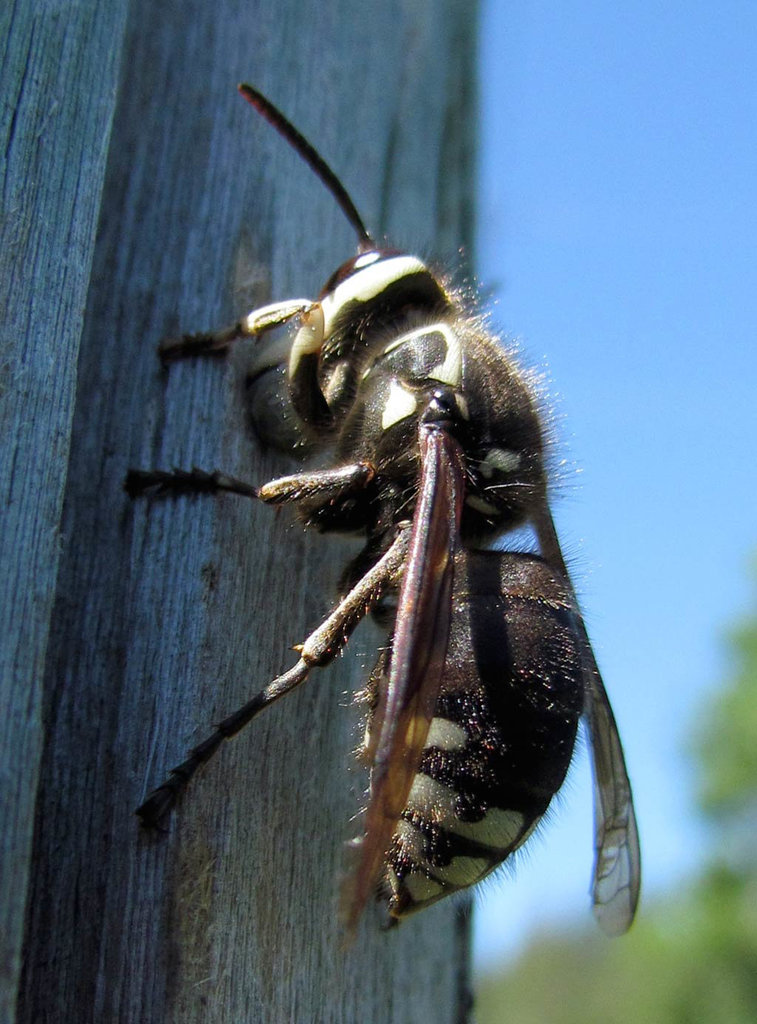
617,857
419,649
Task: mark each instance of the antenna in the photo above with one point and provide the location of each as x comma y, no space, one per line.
312,158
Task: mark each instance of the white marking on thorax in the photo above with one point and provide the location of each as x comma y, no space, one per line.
481,506
500,460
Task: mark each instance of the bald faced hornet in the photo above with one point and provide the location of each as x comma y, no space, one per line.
436,450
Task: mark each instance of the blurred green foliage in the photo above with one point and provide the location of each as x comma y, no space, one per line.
692,959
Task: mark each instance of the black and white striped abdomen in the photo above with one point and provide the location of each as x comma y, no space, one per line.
502,737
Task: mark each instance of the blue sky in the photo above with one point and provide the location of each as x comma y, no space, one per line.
618,232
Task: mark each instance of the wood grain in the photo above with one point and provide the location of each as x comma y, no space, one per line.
58,72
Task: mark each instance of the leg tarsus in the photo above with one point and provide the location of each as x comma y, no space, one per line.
161,483
162,799
216,343
320,648
203,343
329,484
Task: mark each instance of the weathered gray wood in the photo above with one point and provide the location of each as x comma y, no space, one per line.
58,69
169,615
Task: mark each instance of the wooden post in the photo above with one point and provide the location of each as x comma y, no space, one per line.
58,79
161,617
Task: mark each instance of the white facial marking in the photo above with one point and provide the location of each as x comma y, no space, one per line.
462,405
446,735
399,405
